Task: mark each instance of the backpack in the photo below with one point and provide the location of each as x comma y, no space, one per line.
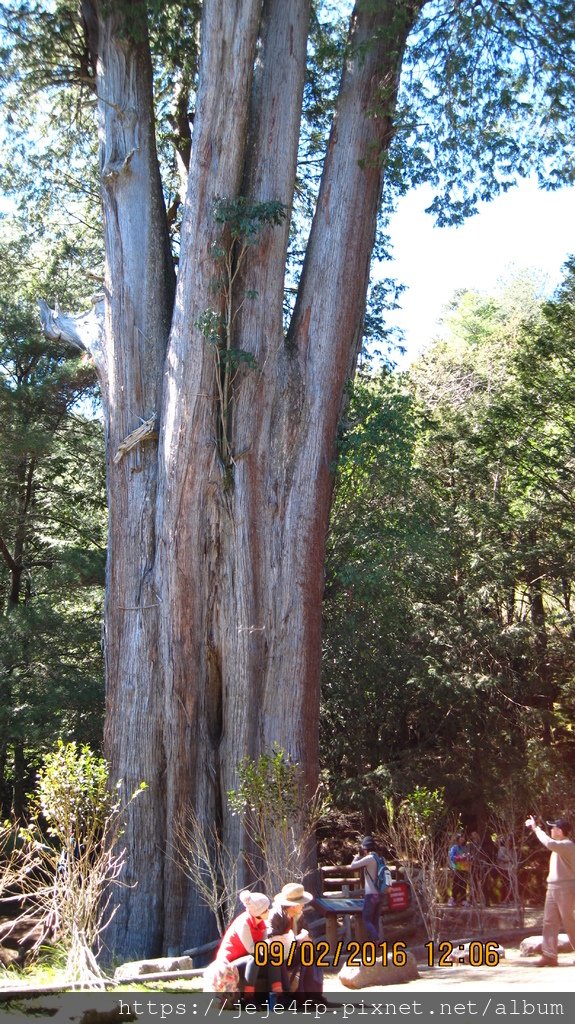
383,879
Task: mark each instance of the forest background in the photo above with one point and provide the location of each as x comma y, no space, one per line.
449,638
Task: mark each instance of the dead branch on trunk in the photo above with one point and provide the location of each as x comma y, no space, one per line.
83,331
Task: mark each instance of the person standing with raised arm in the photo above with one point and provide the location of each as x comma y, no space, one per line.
367,859
559,910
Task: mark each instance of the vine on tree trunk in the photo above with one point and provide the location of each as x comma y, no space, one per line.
241,224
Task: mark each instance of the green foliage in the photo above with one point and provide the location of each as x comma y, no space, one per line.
241,223
378,542
72,792
245,219
52,526
449,639
487,94
277,815
380,341
67,882
211,325
419,829
425,812
48,161
269,787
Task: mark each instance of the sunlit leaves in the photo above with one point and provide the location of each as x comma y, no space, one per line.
449,634
487,95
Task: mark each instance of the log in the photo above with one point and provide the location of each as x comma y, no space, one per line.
200,950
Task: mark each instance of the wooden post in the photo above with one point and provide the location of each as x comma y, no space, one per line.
347,919
331,931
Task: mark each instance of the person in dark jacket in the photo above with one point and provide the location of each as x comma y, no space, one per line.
284,924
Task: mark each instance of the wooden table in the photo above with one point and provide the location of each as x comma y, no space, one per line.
331,909
397,905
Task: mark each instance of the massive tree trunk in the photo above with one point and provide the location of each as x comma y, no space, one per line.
138,302
221,577
217,535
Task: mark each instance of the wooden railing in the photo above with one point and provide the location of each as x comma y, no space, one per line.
345,882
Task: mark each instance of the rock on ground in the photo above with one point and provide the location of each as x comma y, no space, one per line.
160,965
532,945
8,956
379,974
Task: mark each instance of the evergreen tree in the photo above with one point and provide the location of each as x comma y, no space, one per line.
221,425
52,535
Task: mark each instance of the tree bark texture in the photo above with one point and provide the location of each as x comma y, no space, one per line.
138,301
215,573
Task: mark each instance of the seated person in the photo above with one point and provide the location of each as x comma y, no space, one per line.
283,920
238,944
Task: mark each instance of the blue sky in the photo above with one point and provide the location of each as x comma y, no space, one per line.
524,229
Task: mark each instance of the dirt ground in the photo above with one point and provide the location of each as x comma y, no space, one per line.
513,972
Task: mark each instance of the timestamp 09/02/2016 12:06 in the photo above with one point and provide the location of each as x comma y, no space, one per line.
367,954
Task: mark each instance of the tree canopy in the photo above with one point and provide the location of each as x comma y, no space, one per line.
52,530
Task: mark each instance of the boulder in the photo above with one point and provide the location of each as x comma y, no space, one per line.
161,965
22,935
379,974
531,946
8,956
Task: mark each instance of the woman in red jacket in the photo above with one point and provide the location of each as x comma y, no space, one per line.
238,944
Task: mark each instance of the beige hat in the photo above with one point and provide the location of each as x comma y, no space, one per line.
256,903
293,894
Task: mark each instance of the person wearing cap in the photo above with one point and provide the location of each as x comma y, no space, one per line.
367,860
239,941
559,910
283,923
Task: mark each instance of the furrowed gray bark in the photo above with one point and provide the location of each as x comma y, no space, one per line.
257,630
245,578
138,290
190,574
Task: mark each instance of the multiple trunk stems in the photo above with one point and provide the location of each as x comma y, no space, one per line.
215,579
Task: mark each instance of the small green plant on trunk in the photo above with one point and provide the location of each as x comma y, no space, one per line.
279,828
279,823
241,223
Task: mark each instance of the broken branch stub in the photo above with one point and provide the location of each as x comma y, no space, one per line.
83,332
